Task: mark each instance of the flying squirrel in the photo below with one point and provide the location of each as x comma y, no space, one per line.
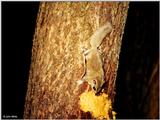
93,62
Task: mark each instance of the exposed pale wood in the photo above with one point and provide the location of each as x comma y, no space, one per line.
57,61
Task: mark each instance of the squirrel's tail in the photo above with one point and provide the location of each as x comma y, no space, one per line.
99,35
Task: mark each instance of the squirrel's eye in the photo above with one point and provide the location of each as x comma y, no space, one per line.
94,88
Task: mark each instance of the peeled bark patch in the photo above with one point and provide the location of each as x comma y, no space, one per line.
98,106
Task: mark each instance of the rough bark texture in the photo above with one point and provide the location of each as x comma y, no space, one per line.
63,28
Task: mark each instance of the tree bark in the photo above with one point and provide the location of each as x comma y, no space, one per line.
63,28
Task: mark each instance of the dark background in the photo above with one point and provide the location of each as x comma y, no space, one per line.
18,25
136,92
139,54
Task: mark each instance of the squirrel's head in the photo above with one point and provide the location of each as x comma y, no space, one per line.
97,85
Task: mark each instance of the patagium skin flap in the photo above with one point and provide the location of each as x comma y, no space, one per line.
94,73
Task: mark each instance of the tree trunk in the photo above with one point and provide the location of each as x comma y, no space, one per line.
63,28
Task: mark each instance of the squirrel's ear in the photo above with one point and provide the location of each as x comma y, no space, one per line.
94,81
